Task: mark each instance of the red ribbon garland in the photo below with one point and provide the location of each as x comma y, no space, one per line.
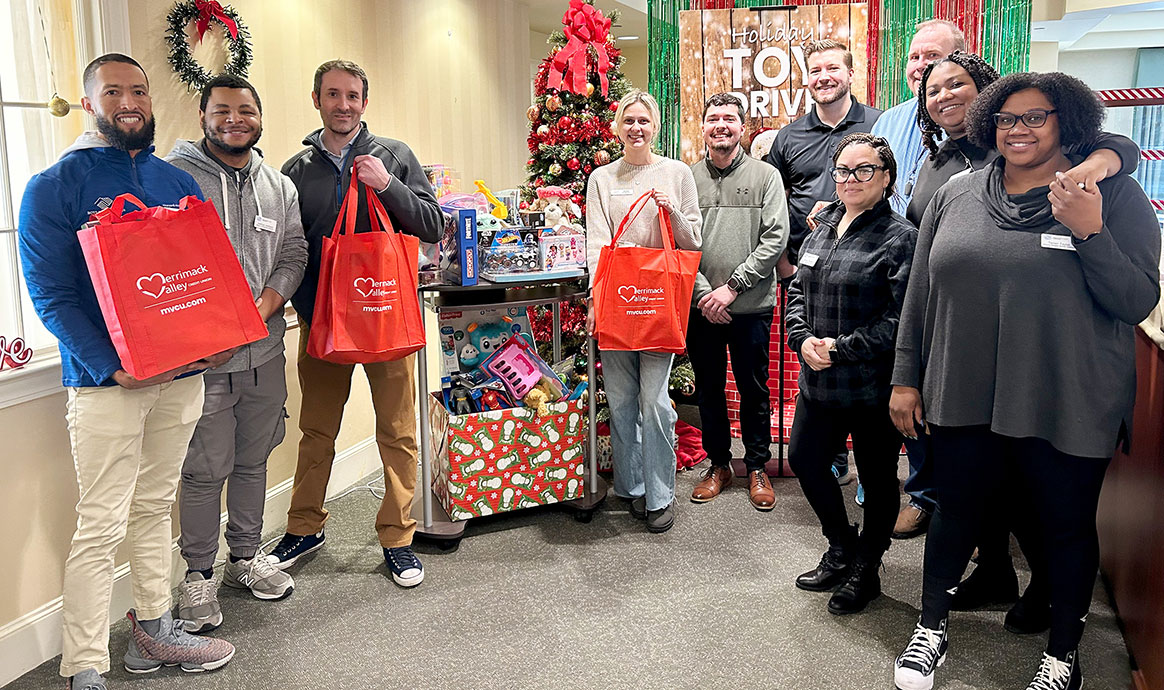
210,9
584,27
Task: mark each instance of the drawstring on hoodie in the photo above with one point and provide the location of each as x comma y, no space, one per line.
226,198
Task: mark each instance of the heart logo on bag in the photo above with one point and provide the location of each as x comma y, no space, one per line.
627,292
151,285
368,283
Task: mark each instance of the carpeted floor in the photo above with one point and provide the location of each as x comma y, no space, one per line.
537,599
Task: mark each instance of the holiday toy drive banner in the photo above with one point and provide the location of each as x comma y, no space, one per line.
759,56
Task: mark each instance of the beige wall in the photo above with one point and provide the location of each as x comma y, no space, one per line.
450,78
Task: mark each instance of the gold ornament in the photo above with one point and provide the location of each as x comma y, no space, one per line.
589,89
553,103
58,106
601,157
533,113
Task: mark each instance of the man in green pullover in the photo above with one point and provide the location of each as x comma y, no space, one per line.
745,230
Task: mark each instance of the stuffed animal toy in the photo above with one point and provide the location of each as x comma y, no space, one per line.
539,395
560,211
484,339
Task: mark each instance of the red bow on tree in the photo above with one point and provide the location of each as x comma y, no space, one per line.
210,9
584,27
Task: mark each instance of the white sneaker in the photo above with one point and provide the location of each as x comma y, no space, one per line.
926,651
198,607
260,576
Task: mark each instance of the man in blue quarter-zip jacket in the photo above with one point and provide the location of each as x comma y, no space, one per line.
128,436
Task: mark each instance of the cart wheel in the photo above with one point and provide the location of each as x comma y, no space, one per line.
584,516
448,544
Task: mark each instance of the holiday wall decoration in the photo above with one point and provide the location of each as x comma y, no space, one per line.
203,13
576,90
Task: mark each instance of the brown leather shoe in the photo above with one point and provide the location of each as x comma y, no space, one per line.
911,522
715,479
760,490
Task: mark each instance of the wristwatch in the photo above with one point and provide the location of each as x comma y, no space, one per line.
735,285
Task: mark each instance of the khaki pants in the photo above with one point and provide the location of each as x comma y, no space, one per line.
128,448
325,388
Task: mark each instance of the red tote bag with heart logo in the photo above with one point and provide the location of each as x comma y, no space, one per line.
366,306
169,284
642,295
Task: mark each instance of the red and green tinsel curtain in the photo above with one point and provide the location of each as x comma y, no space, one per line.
998,30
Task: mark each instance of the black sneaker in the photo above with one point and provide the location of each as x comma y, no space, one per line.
830,572
926,651
293,546
659,521
987,586
1058,674
404,565
862,586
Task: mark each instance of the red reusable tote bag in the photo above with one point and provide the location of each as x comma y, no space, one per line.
642,295
169,284
366,307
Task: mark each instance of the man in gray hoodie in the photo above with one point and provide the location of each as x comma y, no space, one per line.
745,231
243,414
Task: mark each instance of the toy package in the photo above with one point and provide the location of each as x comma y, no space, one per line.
468,337
504,250
561,247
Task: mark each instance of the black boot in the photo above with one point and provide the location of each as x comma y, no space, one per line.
861,587
1031,615
830,572
986,586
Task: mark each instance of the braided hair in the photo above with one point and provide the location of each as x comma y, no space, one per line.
979,70
880,146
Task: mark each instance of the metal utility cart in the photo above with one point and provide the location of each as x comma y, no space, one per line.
433,522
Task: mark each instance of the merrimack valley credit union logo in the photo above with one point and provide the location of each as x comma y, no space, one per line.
370,287
632,294
158,285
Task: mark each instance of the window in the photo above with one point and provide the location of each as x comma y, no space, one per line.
30,137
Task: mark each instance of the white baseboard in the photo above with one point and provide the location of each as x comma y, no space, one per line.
35,637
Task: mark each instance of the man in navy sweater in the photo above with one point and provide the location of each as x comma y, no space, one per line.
129,436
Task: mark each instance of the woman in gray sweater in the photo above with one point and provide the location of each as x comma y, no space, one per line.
1016,335
642,421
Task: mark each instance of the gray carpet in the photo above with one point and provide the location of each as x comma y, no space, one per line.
537,599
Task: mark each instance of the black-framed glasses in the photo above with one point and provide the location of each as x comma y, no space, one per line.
863,173
1032,118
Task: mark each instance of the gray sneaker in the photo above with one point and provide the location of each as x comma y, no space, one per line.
173,646
198,605
260,576
88,679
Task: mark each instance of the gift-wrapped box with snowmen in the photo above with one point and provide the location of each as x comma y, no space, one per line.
502,460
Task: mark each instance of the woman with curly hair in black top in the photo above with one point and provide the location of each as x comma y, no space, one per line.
1017,335
948,87
842,316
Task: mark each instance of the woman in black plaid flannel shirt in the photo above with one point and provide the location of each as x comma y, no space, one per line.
843,309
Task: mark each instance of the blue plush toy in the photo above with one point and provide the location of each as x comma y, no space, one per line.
484,340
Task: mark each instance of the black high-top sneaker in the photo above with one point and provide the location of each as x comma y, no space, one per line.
1058,674
926,651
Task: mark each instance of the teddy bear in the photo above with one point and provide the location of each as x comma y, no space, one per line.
559,209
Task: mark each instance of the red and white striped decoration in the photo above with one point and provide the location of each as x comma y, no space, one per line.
1126,97
1152,154
1158,204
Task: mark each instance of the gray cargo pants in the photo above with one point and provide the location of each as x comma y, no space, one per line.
243,419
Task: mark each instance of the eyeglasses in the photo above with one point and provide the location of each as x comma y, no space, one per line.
863,173
1032,118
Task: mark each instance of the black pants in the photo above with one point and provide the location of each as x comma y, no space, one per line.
817,431
978,473
746,337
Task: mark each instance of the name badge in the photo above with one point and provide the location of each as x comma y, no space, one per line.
622,192
265,224
1049,241
809,260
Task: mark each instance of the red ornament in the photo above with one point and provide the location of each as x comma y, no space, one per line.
614,106
539,182
573,164
530,162
587,168
564,122
523,205
577,198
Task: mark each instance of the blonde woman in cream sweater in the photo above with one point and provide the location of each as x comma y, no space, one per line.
642,421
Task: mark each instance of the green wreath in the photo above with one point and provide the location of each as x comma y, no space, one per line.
194,75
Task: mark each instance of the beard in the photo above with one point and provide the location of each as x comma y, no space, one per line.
841,91
213,138
126,141
724,146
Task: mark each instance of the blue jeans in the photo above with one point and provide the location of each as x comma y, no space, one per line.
920,483
642,425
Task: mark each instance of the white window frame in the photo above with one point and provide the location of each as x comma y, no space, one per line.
102,27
